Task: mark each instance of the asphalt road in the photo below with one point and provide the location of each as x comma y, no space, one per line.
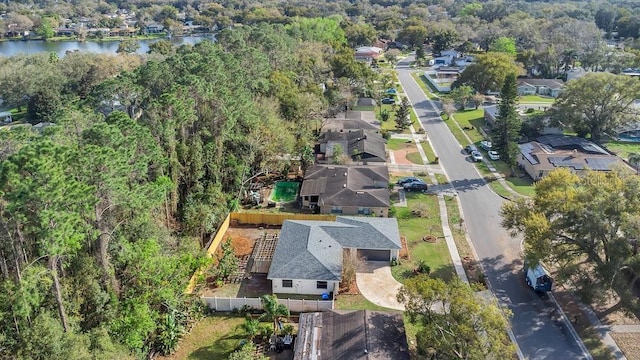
536,323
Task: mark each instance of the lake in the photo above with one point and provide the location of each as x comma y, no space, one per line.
10,48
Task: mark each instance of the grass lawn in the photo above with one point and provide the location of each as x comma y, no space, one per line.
414,228
356,302
622,149
468,118
455,130
442,179
427,88
522,185
213,337
428,151
535,99
415,158
390,124
397,144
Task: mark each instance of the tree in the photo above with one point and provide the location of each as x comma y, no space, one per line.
338,155
504,45
251,327
163,47
597,103
478,99
392,56
488,72
227,260
46,28
456,323
506,129
413,35
634,159
359,34
128,46
273,310
403,118
588,227
462,95
448,107
442,40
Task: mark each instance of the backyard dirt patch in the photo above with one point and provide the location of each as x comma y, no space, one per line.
244,238
628,343
401,155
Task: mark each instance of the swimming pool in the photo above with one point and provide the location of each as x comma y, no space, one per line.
285,191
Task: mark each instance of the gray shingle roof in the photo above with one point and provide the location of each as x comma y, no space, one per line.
550,83
348,185
312,250
369,143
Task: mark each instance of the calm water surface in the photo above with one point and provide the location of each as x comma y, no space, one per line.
9,48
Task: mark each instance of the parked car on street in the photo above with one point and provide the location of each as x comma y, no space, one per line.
408,179
415,186
493,155
388,101
486,145
476,156
470,148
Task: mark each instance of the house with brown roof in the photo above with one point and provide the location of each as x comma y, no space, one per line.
361,145
353,335
550,152
542,87
347,189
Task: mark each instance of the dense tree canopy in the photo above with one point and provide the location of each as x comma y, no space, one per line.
597,103
456,322
587,227
103,216
488,72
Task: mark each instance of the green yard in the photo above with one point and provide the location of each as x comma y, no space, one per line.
426,87
421,218
471,118
428,151
622,149
534,99
213,337
356,302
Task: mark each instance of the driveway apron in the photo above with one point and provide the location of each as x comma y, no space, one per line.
376,283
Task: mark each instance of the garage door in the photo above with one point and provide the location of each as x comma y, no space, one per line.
374,255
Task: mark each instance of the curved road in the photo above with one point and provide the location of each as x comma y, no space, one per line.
536,324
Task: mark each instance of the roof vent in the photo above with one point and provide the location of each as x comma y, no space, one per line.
344,185
331,167
345,174
360,192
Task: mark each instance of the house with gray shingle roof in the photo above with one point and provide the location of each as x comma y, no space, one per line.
347,189
360,144
544,87
308,256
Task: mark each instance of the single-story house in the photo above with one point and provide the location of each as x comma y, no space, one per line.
452,53
337,124
550,152
490,114
353,335
629,132
368,53
309,254
154,28
347,189
359,144
543,87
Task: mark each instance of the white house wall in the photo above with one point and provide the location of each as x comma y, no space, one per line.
304,287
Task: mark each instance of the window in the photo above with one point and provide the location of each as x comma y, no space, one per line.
287,283
364,211
321,284
336,209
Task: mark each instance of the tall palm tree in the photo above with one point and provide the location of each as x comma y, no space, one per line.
251,327
273,310
634,160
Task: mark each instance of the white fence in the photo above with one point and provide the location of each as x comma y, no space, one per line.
435,83
228,304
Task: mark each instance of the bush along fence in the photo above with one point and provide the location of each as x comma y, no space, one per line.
294,306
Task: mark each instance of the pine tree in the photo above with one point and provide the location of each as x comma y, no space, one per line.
402,114
508,123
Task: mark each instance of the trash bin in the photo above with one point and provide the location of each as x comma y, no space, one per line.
325,296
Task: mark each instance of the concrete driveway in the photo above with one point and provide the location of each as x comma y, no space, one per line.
376,283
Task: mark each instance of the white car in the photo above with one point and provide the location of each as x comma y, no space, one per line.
476,156
486,145
493,155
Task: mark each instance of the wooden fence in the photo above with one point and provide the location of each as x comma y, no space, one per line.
213,246
256,218
294,306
